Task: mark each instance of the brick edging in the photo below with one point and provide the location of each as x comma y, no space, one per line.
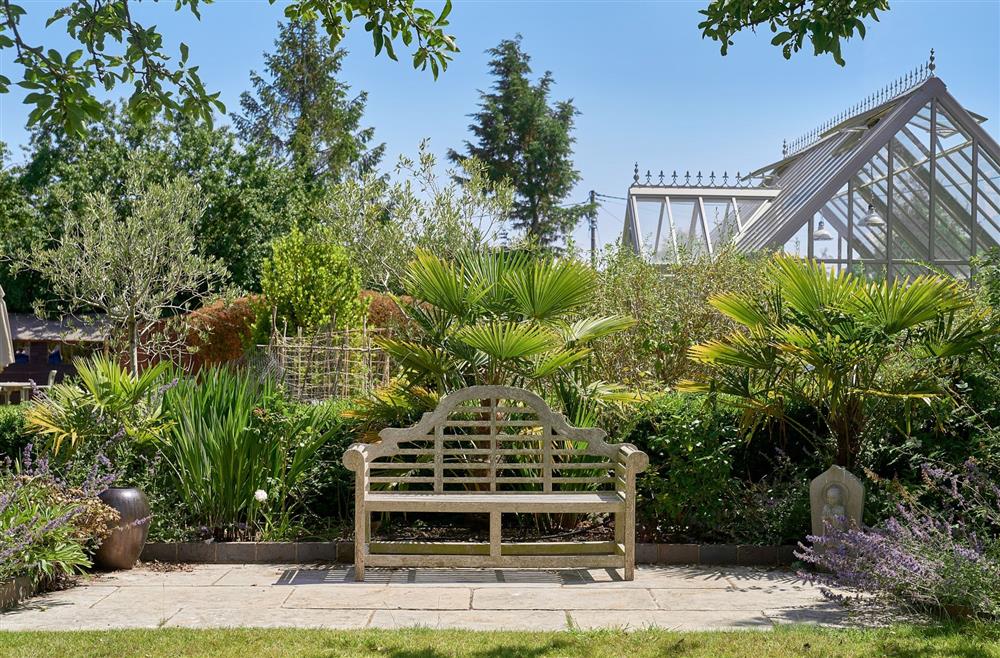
16,590
343,551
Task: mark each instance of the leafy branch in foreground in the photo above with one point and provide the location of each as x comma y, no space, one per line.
115,48
826,23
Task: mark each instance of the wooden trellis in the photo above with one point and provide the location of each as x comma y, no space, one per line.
328,364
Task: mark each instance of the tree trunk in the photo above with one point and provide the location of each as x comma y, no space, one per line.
133,338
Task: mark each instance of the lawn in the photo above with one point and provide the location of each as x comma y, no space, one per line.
968,641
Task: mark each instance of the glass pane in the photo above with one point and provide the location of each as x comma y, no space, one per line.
870,209
952,207
987,204
910,212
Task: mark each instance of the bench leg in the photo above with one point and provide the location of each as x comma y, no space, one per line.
361,536
629,530
494,534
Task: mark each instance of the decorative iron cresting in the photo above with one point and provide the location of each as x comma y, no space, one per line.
689,179
896,88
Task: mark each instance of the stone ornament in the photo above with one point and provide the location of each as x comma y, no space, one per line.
837,499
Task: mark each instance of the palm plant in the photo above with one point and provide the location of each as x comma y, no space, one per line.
829,340
500,317
104,400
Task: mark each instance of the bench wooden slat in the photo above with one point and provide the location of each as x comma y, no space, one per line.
415,501
500,562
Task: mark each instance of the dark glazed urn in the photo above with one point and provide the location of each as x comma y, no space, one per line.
121,549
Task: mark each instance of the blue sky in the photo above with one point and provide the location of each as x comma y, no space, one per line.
648,87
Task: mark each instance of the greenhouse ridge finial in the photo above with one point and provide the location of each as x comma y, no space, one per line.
930,63
635,174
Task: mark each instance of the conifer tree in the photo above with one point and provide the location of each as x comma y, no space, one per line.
303,114
523,137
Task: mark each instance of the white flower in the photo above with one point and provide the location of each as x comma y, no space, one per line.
260,495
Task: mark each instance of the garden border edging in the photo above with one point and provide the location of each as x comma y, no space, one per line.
18,589
343,552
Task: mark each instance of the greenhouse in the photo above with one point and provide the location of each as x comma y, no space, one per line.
904,180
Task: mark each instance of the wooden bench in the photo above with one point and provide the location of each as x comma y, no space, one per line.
496,450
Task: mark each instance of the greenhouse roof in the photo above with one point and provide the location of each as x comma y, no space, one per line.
907,177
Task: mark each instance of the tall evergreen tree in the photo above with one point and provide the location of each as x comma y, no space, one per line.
303,114
522,137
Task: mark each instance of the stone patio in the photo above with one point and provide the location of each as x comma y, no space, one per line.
264,595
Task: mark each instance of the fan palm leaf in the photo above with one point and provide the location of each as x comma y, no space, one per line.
444,284
585,330
900,305
507,341
549,289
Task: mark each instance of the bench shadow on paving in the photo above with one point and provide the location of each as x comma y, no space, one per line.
345,576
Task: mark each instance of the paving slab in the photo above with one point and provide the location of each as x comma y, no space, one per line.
269,618
178,578
832,614
318,596
679,620
135,598
562,599
734,599
477,620
661,577
374,597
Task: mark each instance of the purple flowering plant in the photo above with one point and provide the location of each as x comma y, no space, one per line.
48,526
943,558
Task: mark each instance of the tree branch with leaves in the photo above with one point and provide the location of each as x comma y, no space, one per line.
115,49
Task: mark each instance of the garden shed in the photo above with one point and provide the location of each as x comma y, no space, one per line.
42,347
905,179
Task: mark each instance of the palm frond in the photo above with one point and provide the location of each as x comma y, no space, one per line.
585,330
737,349
551,362
505,341
445,284
896,306
741,308
548,289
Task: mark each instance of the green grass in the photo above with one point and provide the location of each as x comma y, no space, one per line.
968,641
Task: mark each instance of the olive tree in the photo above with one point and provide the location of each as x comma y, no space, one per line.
137,264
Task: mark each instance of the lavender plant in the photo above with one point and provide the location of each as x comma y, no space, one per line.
46,525
943,558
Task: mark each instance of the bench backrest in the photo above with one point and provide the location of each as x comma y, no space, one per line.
493,439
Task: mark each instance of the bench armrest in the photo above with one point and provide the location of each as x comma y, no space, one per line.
636,460
355,457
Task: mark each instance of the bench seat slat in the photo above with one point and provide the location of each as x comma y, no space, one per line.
503,561
585,501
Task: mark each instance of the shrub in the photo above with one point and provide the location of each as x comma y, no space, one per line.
686,489
238,454
221,332
709,482
13,433
670,305
504,317
834,342
308,283
328,487
384,312
945,558
107,401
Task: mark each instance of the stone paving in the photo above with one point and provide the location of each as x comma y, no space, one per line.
265,595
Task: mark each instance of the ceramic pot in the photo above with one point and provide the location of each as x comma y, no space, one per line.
121,549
